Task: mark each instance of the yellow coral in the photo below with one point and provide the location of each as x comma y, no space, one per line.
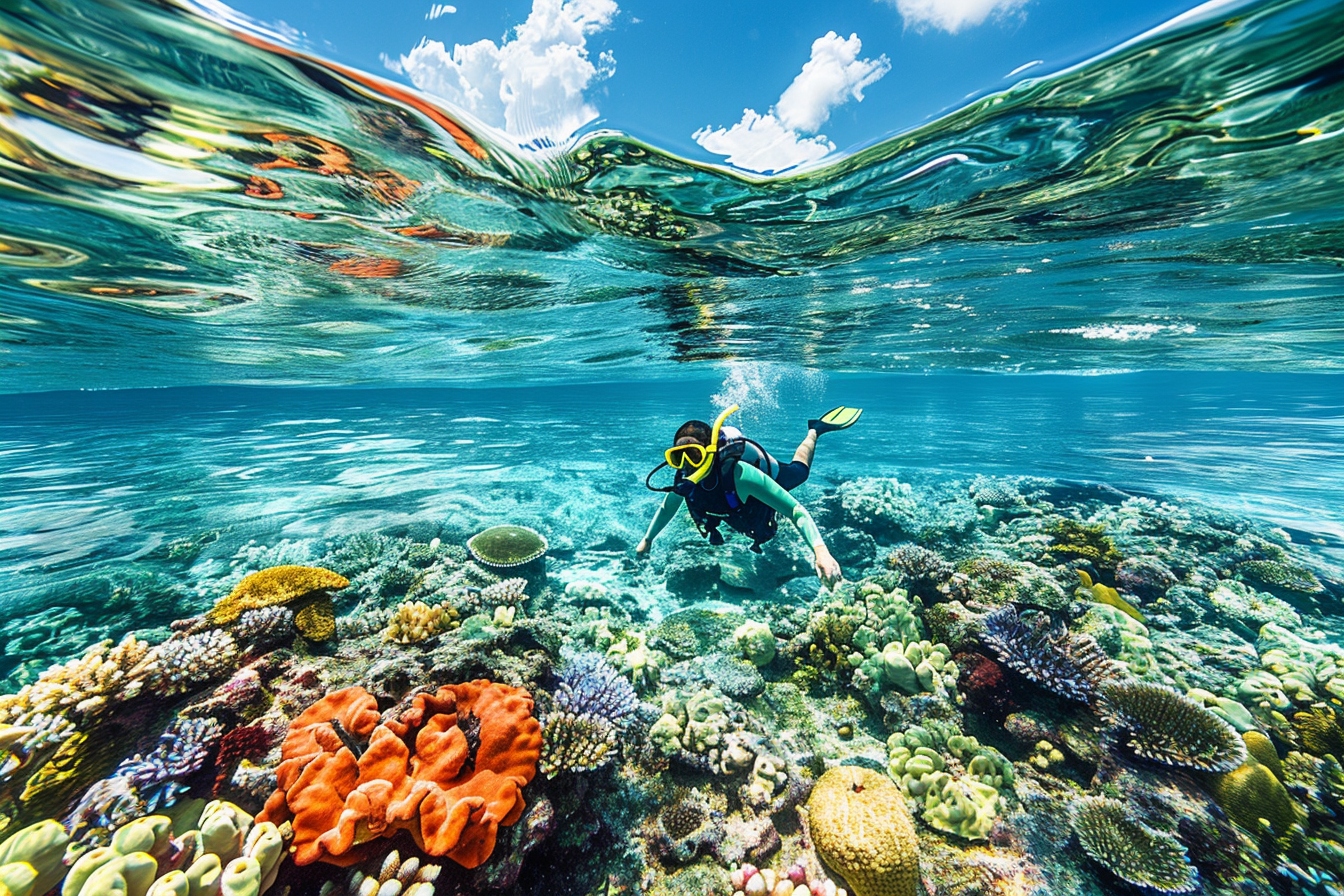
1262,750
1251,793
1320,731
861,828
316,619
416,621
276,585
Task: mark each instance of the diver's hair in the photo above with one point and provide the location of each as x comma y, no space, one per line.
696,431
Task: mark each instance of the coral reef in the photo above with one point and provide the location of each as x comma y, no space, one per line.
1034,661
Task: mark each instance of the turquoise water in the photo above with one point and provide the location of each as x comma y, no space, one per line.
257,310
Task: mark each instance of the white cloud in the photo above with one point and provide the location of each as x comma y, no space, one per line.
761,143
530,85
953,15
778,140
440,9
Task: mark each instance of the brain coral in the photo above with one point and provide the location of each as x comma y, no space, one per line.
449,770
273,586
503,546
1132,852
861,828
1161,725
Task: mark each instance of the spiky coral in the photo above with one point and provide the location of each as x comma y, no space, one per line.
1162,725
1075,540
1072,666
1132,851
593,704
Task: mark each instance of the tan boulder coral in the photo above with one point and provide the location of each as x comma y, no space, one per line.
862,830
304,588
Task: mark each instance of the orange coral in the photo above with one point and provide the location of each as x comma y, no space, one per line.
449,770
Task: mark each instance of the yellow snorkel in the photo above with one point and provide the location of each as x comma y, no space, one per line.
703,470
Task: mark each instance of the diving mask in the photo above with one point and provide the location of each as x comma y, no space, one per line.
692,455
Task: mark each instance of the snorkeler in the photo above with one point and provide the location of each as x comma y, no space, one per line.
724,477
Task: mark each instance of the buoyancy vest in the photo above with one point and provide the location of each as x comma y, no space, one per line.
713,500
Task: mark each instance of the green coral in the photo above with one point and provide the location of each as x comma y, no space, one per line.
913,668
1319,731
631,655
1161,725
1123,637
756,642
506,546
1227,709
961,805
1132,851
966,803
1281,576
1252,795
1241,602
1305,668
1073,540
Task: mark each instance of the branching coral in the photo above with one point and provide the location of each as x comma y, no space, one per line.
593,705
1074,540
449,770
81,688
1072,666
1132,851
415,621
1162,725
184,663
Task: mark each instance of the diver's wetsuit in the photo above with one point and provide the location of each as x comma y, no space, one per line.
757,475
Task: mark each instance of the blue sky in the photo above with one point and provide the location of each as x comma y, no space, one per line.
819,79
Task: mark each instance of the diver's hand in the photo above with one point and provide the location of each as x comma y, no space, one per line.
828,570
642,549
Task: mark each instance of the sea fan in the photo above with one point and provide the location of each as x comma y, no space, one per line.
1072,666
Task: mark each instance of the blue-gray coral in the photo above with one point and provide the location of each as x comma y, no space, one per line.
1072,666
143,785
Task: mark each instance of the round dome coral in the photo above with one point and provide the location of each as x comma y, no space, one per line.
506,546
861,828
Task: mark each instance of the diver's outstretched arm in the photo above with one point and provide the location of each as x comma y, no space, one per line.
750,482
668,509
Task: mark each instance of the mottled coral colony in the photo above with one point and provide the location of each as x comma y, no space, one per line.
1024,687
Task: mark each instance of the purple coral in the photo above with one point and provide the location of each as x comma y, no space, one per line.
142,785
589,685
592,704
1072,666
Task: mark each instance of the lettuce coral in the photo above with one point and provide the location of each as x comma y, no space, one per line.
450,770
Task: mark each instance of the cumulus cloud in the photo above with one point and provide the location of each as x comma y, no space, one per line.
779,139
953,15
531,84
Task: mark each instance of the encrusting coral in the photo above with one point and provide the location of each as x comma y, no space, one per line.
861,828
305,589
449,770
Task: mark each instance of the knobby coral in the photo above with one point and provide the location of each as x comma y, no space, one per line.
861,828
449,770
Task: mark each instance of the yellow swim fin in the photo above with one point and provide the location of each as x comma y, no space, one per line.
836,418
